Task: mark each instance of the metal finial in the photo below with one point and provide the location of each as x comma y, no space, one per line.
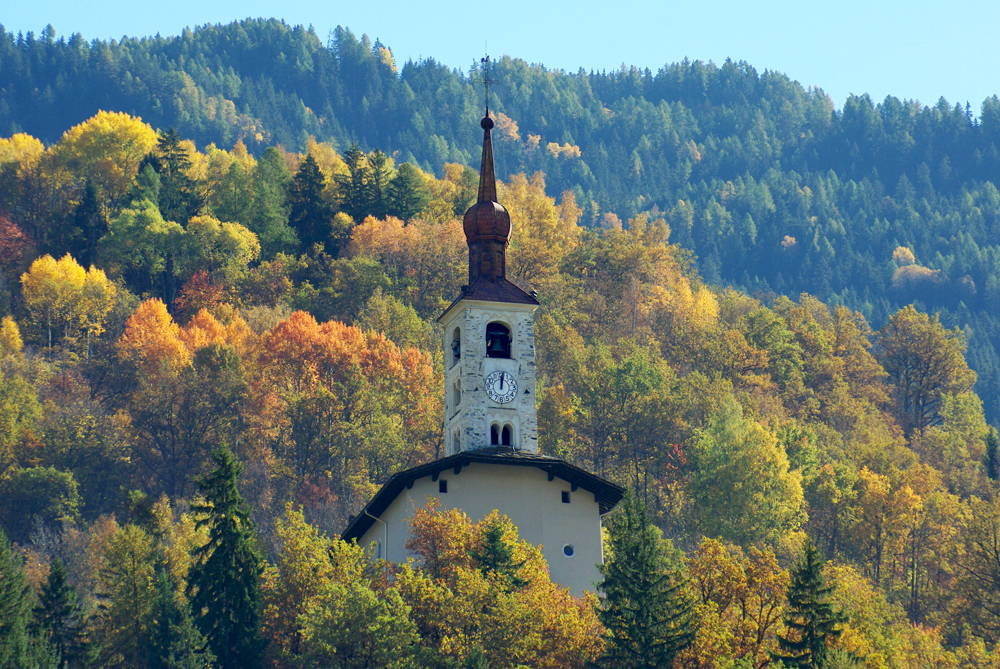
486,80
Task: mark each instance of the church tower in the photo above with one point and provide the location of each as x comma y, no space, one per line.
491,460
489,336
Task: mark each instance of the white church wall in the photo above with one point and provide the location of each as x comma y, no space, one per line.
526,496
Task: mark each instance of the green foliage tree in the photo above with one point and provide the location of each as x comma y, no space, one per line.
811,622
351,627
224,582
644,610
741,484
36,494
126,587
924,361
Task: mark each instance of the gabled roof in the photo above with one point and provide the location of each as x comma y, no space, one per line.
497,290
606,493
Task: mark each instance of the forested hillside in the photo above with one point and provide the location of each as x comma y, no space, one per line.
734,326
771,188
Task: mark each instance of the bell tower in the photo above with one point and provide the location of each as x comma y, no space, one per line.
489,336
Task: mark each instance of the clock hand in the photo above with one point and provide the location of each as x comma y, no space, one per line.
501,382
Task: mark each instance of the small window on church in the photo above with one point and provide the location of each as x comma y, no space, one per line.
497,340
457,393
494,435
565,496
505,436
442,485
568,550
456,346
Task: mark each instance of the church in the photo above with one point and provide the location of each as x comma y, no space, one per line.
491,456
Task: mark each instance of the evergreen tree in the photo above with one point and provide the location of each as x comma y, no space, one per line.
355,186
810,620
91,225
407,193
178,196
645,612
15,608
497,556
224,582
268,215
175,642
380,172
308,213
992,455
59,617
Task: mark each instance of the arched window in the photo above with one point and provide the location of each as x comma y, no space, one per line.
456,346
497,340
457,393
506,437
494,435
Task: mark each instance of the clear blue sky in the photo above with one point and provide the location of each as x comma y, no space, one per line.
916,49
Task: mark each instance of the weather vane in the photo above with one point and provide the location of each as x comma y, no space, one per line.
486,80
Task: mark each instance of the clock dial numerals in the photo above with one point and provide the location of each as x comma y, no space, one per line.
501,387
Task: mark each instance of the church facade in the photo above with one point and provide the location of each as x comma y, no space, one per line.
491,459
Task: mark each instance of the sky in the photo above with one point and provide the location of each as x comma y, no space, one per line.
919,49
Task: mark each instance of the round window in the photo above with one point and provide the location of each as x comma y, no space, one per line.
568,550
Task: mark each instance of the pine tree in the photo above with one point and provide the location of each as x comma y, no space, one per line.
224,582
645,612
308,213
59,617
810,621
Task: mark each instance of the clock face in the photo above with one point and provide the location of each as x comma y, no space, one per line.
501,387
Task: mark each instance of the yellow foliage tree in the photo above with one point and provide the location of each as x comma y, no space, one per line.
107,148
62,296
543,231
10,337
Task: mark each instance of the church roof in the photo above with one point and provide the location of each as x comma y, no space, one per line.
497,290
606,494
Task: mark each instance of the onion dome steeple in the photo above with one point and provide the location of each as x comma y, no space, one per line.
487,223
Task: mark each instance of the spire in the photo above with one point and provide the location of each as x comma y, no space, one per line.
487,223
487,174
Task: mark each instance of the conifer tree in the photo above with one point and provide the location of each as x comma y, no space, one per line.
175,642
810,620
59,617
407,193
15,608
644,609
356,185
268,214
224,582
992,455
178,196
496,555
308,213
